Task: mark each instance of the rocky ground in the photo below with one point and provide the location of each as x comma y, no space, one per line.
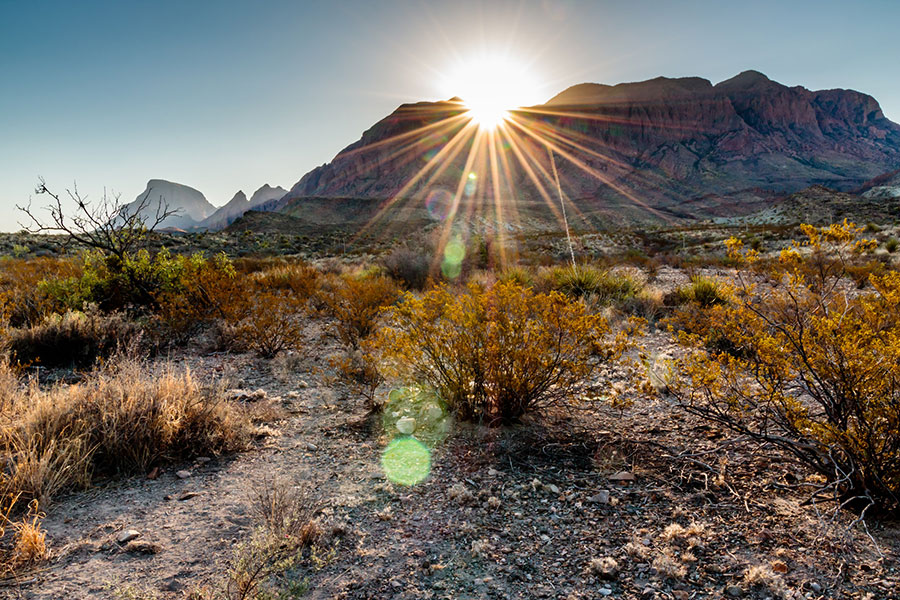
639,502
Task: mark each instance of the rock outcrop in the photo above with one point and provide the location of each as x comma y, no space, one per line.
658,149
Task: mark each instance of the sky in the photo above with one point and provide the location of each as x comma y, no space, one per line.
226,95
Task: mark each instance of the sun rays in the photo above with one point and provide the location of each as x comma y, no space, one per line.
483,160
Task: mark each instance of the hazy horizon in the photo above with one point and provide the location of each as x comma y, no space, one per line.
232,95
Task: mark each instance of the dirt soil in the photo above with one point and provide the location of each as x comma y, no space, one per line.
642,502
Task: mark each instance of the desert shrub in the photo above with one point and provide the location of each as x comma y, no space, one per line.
301,279
493,354
701,291
26,288
271,324
123,419
355,304
518,275
358,369
412,269
200,290
818,372
72,339
891,245
605,287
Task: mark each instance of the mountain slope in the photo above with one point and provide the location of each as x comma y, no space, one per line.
191,205
238,205
661,149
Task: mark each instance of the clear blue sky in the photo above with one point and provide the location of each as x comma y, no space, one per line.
226,95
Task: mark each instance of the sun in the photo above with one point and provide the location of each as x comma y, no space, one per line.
490,87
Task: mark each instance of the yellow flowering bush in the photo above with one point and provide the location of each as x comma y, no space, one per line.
494,354
813,367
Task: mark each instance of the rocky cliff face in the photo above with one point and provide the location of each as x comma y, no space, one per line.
661,148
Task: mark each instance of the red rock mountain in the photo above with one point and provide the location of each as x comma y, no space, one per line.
658,149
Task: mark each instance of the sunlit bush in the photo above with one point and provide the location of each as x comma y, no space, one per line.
814,368
494,354
355,304
271,324
26,288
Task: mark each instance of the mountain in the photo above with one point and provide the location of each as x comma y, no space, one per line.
658,150
238,205
884,187
191,206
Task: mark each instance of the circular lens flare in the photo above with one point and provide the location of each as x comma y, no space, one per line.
406,461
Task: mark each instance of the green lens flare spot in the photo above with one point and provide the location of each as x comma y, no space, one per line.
454,252
406,461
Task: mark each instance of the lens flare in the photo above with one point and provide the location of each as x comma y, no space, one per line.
406,461
454,253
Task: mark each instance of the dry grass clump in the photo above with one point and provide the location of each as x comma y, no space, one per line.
667,565
121,420
601,286
764,577
73,339
301,279
22,541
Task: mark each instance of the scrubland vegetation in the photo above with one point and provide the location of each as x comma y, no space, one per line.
794,347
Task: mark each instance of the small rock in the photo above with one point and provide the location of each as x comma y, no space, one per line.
127,535
183,474
406,425
553,489
187,496
735,591
154,473
203,459
604,591
648,592
601,497
681,595
142,547
302,384
311,447
623,477
815,587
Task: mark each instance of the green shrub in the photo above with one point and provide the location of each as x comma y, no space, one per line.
606,287
702,291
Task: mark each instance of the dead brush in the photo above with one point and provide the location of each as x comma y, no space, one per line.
286,536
